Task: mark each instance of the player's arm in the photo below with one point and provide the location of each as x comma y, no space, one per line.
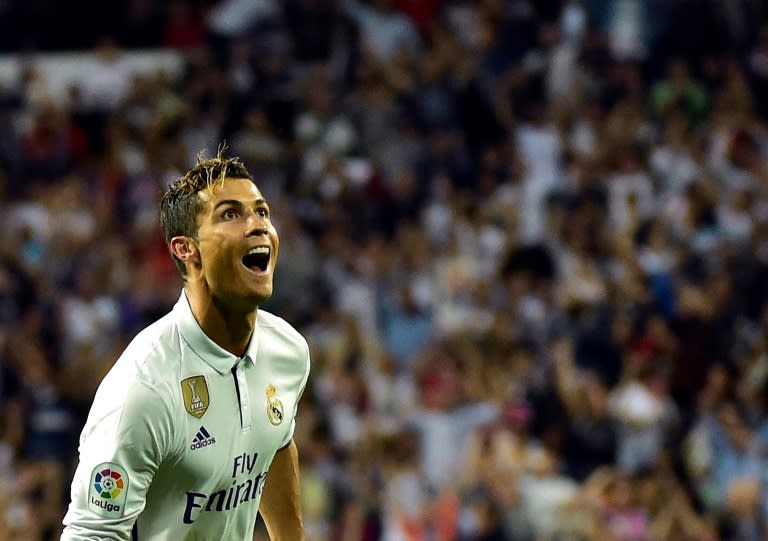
280,503
124,441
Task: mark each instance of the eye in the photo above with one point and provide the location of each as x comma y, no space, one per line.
229,214
263,212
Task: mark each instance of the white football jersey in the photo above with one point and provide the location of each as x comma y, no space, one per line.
181,433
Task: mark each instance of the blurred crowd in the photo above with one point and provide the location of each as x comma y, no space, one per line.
527,242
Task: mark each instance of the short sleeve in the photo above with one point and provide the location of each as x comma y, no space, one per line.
121,447
302,387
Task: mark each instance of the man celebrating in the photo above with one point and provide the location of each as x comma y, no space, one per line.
190,433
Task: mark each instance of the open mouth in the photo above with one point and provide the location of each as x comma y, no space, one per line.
257,259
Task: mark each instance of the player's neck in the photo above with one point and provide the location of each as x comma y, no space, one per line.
230,329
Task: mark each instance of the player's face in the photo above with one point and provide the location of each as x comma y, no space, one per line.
238,244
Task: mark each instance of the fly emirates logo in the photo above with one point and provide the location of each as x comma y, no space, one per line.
228,498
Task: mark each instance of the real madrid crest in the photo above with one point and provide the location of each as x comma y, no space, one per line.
274,406
194,390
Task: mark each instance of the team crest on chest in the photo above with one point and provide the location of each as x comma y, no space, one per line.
274,406
195,393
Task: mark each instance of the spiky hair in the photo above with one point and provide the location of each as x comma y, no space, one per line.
181,204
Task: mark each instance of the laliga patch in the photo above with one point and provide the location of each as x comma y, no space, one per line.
108,490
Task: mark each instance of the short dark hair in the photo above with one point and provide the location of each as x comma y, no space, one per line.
181,203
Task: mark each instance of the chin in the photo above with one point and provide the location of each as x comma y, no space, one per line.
262,299
262,295
247,301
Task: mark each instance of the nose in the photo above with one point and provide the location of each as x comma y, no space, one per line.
256,225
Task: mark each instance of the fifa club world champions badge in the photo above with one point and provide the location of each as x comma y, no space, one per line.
194,390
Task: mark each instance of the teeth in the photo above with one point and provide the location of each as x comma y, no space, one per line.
259,250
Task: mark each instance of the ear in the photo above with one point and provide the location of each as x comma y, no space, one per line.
185,249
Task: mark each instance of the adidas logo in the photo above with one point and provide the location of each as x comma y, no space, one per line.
202,439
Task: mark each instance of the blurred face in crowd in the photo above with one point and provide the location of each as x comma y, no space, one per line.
735,428
619,493
234,254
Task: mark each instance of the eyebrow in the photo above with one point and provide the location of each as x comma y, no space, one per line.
235,203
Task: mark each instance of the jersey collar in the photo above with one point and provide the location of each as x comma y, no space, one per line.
209,351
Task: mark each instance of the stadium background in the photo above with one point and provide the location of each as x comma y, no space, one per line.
526,240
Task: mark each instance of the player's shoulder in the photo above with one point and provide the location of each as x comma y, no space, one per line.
151,358
277,328
135,382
